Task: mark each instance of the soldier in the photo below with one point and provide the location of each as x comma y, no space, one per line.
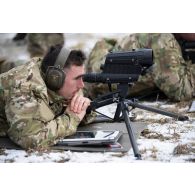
38,43
42,103
173,75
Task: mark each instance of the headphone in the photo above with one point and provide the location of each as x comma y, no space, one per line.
55,75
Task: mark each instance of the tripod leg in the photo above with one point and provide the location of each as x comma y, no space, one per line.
117,113
159,111
125,112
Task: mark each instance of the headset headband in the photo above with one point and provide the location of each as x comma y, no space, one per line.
62,57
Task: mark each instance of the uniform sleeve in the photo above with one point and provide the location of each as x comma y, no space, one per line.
33,124
171,73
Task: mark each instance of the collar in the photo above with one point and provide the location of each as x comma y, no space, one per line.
54,97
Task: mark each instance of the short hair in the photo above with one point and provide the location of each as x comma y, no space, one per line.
76,57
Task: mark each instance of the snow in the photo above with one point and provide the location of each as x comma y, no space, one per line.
157,144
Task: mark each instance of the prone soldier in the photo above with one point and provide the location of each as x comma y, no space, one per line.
41,101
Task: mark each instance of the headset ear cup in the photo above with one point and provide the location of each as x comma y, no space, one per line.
54,78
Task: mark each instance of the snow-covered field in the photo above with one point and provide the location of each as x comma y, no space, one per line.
164,140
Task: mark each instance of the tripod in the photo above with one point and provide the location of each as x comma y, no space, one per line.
123,108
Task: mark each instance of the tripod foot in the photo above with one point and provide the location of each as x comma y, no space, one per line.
138,156
183,118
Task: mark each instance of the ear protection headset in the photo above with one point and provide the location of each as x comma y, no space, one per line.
55,75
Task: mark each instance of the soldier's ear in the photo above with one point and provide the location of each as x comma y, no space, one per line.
55,75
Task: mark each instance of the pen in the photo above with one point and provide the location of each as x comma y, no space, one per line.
109,134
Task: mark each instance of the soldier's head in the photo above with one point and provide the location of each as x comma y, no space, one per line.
63,70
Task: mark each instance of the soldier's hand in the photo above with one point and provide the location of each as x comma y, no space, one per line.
79,103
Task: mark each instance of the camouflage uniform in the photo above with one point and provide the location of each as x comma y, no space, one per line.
4,67
39,43
30,114
170,73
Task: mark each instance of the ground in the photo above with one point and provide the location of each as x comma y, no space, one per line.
163,140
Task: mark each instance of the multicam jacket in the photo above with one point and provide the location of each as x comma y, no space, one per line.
30,114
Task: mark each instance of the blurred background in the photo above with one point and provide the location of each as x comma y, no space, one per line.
15,48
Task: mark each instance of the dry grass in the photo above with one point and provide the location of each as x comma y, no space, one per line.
9,161
121,154
143,151
2,151
153,152
191,160
63,160
182,149
154,135
39,151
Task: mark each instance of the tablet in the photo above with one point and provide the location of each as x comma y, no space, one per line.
99,137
